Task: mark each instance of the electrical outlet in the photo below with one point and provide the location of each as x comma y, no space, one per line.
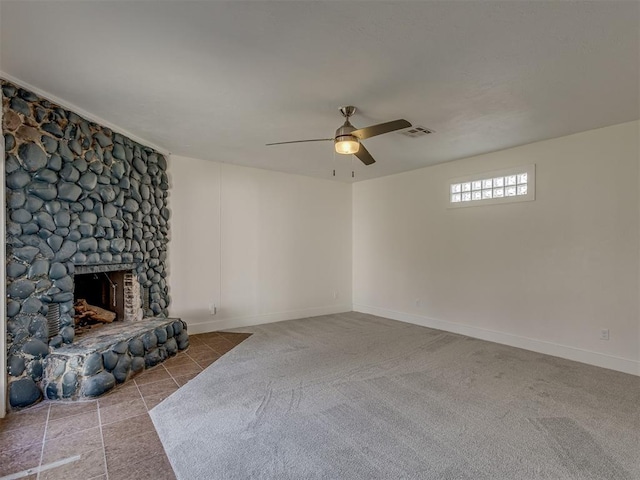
604,334
335,294
213,309
418,302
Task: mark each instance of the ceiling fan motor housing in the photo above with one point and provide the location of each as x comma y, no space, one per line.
345,131
344,141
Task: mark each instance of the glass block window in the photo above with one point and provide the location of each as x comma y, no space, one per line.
510,185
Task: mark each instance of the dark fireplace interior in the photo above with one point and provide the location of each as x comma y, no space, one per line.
104,290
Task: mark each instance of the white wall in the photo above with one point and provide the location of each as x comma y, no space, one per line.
545,275
262,245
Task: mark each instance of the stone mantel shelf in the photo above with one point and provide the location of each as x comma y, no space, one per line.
99,268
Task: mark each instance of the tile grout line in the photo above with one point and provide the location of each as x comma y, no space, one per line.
174,380
203,367
65,417
141,396
104,450
44,436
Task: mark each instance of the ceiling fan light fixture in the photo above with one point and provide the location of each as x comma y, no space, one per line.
347,145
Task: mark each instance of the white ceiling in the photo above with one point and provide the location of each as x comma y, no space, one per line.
218,80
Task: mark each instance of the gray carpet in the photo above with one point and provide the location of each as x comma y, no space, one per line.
353,396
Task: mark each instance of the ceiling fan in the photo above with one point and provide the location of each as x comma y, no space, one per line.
347,138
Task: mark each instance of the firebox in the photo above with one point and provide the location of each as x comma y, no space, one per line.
104,294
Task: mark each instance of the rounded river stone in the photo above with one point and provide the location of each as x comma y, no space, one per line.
56,341
88,245
13,308
65,284
69,384
80,164
46,175
45,191
88,217
69,173
32,156
21,288
53,207
98,384
67,333
15,270
118,152
110,359
183,340
152,358
16,365
38,268
20,106
18,179
136,347
149,340
117,245
45,221
36,348
64,151
52,128
92,364
69,191
55,242
57,270
177,327
102,139
31,305
62,218
122,368
66,251
137,364
161,333
16,199
23,392
88,181
169,330
21,215
50,145
171,346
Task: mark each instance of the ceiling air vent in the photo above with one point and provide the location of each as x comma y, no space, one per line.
416,131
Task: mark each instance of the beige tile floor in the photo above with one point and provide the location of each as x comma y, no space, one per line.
110,438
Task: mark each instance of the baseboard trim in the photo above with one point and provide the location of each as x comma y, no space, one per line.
611,362
248,321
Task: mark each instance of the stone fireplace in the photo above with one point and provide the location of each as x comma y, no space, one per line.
87,217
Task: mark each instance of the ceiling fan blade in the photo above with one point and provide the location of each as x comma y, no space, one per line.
302,141
364,155
379,129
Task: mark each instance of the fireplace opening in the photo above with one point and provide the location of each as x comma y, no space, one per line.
101,298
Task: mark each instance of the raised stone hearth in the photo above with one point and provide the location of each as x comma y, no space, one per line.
97,362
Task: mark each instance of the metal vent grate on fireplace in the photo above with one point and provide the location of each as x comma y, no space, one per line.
53,319
146,299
